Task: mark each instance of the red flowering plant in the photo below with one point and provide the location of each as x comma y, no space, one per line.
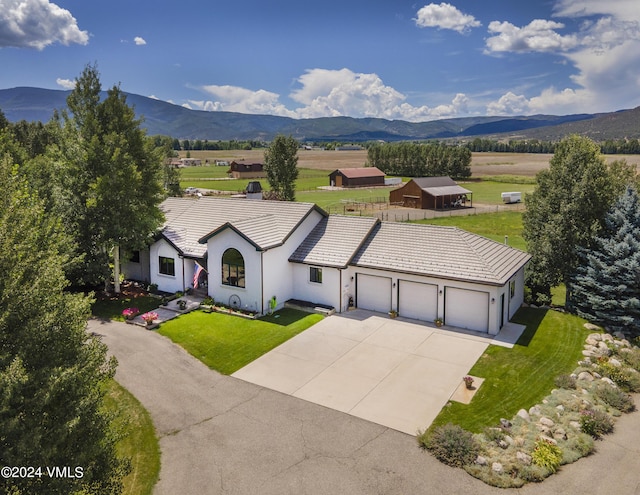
130,313
150,317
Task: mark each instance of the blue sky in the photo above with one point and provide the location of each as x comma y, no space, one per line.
392,59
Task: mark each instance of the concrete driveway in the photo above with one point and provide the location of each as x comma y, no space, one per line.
396,373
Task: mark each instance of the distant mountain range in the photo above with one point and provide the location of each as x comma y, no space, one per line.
160,117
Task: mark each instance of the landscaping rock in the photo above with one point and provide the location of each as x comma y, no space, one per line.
535,411
523,458
575,424
560,408
607,337
609,381
509,440
560,434
546,422
497,468
480,460
522,413
502,444
591,326
588,353
615,362
585,375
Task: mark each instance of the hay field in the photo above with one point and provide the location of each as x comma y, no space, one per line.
482,164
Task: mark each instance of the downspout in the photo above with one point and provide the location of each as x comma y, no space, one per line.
341,289
183,287
262,281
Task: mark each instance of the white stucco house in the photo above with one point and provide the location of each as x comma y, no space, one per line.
252,250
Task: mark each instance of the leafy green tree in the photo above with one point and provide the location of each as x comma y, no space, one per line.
112,180
52,372
565,212
606,286
281,165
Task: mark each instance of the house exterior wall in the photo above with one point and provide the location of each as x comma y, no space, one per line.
249,175
137,271
167,283
250,295
327,292
278,271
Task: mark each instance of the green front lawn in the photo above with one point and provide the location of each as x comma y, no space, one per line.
139,442
227,343
520,377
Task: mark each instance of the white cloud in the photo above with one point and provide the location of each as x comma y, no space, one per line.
139,41
445,16
604,51
509,104
538,36
329,93
37,24
66,83
236,99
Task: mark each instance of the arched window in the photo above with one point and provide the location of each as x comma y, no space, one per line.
232,268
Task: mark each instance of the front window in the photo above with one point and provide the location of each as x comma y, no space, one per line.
315,275
167,266
233,268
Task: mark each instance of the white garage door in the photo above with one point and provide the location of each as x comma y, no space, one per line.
466,309
417,301
373,293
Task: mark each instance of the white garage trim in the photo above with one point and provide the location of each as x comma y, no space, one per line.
466,308
373,292
417,300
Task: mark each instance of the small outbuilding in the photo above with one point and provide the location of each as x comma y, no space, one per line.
356,177
433,193
246,170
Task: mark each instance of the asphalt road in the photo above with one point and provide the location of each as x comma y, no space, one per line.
220,435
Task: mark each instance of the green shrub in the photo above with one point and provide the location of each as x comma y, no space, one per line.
596,423
565,381
615,397
451,444
547,455
625,378
632,358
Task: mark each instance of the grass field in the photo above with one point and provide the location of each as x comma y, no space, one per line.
492,225
227,343
520,377
139,443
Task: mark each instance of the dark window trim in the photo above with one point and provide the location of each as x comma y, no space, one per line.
167,266
315,275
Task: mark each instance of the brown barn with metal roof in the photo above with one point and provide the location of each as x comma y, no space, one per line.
434,193
246,170
357,177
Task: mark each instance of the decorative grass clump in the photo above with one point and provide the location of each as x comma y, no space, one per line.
547,455
451,445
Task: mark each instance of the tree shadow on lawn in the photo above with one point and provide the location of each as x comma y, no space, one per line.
531,318
284,317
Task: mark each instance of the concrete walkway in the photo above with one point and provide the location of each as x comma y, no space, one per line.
395,373
220,435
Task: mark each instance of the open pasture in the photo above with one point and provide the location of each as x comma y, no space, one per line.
482,164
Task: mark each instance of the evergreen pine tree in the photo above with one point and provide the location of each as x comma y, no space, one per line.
606,286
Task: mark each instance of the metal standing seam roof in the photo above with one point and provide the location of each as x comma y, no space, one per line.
438,251
334,241
353,173
446,190
265,223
